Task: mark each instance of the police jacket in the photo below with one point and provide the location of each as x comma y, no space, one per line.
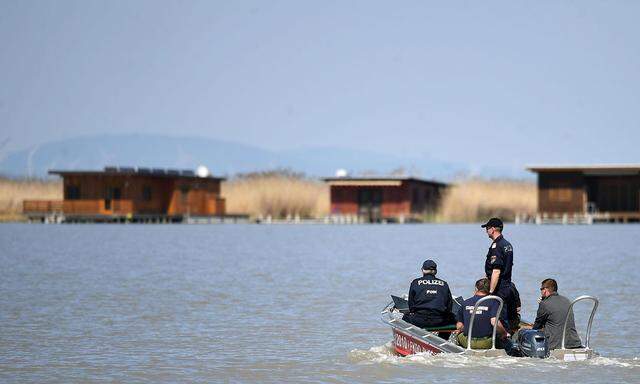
430,295
500,256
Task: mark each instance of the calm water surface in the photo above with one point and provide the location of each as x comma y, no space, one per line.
250,303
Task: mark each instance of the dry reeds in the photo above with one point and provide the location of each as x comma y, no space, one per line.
283,194
13,192
476,200
276,194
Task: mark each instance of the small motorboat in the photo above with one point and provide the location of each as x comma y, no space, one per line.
409,339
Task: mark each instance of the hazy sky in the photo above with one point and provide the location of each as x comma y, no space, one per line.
477,82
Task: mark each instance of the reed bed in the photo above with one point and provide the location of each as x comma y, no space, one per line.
288,195
279,195
478,199
14,191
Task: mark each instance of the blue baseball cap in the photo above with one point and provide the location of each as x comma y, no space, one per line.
493,222
429,264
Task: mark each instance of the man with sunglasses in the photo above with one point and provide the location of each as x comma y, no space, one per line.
498,269
552,312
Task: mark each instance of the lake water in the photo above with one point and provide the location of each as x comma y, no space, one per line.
280,303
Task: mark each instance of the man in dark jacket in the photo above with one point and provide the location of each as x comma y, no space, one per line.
430,299
486,315
498,266
552,313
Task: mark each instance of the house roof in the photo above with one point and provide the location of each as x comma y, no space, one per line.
381,181
589,169
140,171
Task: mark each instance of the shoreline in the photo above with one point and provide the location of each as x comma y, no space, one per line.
288,198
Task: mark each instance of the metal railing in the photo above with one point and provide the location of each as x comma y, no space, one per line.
495,326
42,206
593,313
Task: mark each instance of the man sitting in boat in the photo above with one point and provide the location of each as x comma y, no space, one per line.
552,312
430,299
483,323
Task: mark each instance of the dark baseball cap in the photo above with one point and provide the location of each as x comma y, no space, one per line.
429,264
493,222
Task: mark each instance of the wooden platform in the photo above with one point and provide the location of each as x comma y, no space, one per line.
579,218
58,218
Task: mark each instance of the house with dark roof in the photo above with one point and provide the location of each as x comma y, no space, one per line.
606,192
390,199
124,194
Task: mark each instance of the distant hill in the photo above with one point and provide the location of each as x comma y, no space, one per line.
222,158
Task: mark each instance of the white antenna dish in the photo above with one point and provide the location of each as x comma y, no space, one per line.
202,171
342,173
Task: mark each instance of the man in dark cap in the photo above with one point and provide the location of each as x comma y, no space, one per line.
498,269
430,299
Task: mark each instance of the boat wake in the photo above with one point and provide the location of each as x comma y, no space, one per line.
385,354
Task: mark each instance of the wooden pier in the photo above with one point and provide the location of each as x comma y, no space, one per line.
579,218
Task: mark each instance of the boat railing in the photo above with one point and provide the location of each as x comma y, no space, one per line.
495,325
593,313
387,308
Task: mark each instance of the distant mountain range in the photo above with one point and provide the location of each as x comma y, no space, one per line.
222,158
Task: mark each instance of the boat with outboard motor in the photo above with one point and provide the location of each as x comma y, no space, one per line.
409,339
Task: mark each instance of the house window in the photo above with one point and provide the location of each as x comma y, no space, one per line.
146,193
72,192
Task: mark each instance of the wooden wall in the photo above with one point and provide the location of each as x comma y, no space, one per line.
614,193
141,194
574,192
396,201
344,200
410,198
561,192
195,197
424,197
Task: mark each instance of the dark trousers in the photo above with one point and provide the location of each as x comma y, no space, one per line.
428,320
505,292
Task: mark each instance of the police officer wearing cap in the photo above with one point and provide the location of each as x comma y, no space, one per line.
430,299
498,268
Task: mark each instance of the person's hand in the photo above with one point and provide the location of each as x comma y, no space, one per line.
540,299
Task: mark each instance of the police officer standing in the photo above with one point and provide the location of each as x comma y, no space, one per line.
429,299
498,267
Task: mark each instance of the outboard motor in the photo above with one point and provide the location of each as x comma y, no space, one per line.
533,343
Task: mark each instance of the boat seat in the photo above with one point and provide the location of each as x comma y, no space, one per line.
451,327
